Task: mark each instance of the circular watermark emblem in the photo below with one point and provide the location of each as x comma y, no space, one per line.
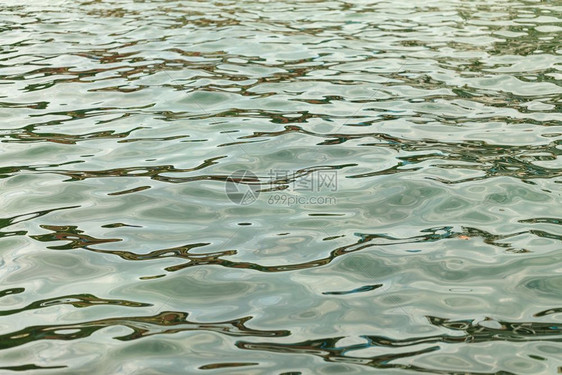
242,187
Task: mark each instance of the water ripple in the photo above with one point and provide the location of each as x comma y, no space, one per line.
402,211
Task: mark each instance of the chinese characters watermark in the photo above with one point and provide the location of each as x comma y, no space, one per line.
315,181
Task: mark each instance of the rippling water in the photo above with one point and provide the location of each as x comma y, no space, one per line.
397,205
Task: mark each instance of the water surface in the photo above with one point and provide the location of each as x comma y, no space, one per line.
405,204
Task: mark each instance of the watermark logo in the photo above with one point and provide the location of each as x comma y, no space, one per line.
315,181
295,200
242,187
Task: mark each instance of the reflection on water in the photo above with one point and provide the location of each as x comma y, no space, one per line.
330,349
141,326
436,249
84,300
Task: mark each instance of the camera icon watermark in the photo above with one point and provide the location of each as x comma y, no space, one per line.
243,187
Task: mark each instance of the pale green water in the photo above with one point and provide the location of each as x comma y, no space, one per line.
432,246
